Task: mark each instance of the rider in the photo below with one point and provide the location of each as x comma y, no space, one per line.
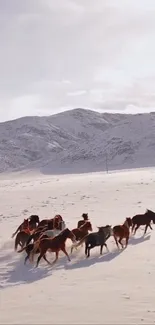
81,222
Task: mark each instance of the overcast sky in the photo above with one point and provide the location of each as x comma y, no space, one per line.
58,54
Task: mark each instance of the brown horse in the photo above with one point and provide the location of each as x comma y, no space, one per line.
143,220
28,249
81,222
56,222
56,244
36,234
83,230
48,224
22,238
30,222
122,231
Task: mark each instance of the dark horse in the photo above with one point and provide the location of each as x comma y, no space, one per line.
122,232
21,238
94,239
57,221
32,222
143,220
56,244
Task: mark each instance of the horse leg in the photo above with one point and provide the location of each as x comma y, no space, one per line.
150,226
137,226
116,241
42,253
86,249
72,247
101,249
106,247
45,258
127,239
65,252
56,258
26,258
133,226
120,241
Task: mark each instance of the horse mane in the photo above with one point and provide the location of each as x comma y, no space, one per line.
148,211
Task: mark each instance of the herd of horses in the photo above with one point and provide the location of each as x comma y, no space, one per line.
38,237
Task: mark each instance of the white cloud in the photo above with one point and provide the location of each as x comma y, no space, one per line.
101,52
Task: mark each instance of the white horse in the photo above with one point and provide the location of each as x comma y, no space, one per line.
54,232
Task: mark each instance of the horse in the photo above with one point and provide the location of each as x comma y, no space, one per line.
22,238
122,231
81,222
94,239
143,219
83,230
36,234
55,244
52,225
30,222
45,233
28,248
57,222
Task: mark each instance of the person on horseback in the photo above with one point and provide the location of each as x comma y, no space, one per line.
81,222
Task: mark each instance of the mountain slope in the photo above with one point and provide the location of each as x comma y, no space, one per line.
76,141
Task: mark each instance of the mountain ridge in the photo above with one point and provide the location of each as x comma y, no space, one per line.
78,140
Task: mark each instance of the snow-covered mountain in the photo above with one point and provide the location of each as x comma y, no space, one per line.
78,141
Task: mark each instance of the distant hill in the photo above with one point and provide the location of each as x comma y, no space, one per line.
77,141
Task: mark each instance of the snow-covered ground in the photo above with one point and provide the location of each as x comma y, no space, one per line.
117,288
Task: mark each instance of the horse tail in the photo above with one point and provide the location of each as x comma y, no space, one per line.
22,249
133,227
34,250
16,242
80,242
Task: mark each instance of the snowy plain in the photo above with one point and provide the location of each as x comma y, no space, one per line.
116,288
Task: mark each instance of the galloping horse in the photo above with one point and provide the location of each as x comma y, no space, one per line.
23,235
143,219
94,239
56,245
31,222
57,222
56,225
122,231
83,230
28,249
